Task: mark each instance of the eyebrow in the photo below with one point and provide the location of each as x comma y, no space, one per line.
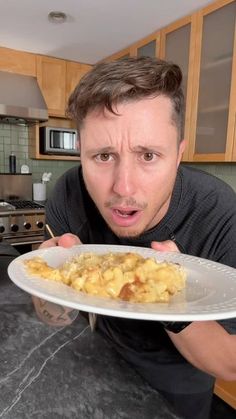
147,148
101,150
137,149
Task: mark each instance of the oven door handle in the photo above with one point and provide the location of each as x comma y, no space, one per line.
26,242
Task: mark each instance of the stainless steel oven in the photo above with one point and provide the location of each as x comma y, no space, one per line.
22,224
21,219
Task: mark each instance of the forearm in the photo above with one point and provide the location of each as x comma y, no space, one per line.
208,347
54,314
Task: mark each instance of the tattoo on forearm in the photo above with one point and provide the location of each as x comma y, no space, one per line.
47,314
55,313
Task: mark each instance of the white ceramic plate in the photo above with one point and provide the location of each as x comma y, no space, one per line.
210,292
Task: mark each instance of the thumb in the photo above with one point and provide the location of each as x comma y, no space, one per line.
165,246
68,240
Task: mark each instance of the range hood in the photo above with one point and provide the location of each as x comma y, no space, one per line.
21,101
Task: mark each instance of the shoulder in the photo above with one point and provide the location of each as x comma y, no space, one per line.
65,208
207,214
69,188
202,185
69,179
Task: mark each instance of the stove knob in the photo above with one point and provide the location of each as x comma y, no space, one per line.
14,228
39,224
2,229
27,226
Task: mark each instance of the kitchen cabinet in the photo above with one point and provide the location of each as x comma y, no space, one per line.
226,390
74,72
148,46
204,46
57,79
213,105
17,62
51,76
124,53
178,46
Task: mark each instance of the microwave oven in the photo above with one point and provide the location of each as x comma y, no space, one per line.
61,141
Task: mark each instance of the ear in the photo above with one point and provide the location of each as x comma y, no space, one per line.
182,146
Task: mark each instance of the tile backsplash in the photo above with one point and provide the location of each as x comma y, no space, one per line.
14,138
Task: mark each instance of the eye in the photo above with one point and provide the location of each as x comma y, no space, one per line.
149,156
103,157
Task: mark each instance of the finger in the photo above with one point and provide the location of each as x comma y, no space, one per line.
165,246
49,243
68,240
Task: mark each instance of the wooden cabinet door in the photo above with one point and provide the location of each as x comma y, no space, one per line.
178,46
234,149
74,72
149,47
17,62
226,390
51,75
124,53
214,93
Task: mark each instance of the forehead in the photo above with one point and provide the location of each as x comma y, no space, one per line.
152,110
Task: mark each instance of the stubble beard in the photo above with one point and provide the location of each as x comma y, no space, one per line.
124,233
153,222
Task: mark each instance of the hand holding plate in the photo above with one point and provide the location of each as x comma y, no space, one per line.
165,246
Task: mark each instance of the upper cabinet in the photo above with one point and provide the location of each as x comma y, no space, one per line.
17,62
57,79
214,85
124,53
178,45
51,75
204,46
149,46
74,72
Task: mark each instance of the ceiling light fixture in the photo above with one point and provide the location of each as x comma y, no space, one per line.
57,17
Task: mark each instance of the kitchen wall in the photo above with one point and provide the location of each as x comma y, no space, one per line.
15,138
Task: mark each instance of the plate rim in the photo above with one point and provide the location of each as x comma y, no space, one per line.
139,315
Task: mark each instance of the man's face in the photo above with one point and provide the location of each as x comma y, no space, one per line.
130,162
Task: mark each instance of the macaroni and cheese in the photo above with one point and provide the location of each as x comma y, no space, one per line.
126,276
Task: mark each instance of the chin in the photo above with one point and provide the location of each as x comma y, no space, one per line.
126,234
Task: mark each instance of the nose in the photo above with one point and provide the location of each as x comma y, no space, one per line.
124,180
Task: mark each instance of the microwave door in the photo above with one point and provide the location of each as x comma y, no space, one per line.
56,140
68,141
74,141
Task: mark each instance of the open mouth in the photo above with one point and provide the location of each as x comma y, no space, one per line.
124,214
125,217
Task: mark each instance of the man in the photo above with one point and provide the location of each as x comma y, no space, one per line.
130,190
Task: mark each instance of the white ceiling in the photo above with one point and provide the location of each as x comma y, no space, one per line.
94,29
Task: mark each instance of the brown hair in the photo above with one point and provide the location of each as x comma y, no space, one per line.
129,79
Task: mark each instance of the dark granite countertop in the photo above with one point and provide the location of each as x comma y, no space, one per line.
70,372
